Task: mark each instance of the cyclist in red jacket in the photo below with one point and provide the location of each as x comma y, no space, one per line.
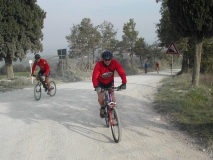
44,69
103,77
157,67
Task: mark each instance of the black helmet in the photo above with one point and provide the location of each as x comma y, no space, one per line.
37,56
106,55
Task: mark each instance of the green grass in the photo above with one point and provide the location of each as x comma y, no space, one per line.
189,107
18,74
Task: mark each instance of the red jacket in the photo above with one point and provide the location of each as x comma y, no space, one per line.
43,64
105,75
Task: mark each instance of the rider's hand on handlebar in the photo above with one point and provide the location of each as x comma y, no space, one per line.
122,86
97,89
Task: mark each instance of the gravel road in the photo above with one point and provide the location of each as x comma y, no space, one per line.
68,127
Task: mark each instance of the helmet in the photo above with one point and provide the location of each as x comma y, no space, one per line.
107,55
37,56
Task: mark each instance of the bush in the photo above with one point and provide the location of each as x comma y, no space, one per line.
28,69
3,70
19,68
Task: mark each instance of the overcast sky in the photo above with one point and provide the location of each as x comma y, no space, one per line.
62,14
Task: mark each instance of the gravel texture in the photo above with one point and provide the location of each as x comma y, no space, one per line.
68,127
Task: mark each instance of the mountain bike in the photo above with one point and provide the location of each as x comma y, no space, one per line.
111,113
41,83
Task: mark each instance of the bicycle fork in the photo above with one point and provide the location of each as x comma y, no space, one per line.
110,106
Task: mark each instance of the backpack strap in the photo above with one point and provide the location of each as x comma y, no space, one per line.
107,67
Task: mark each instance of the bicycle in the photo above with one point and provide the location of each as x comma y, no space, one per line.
41,82
111,114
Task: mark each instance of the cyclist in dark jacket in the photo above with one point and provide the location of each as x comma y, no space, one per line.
146,67
103,77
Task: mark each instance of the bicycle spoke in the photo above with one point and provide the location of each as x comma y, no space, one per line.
52,88
37,91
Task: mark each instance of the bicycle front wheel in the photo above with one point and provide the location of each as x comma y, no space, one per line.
53,88
106,117
37,91
116,126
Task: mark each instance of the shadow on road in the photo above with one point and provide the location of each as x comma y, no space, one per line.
78,109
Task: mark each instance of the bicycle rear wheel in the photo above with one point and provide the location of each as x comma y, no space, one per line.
37,91
116,126
53,88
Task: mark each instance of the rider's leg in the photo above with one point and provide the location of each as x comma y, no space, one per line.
101,98
113,98
101,103
47,80
39,74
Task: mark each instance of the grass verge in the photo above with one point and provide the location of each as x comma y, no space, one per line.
190,108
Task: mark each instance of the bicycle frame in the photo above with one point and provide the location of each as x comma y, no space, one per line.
42,81
108,102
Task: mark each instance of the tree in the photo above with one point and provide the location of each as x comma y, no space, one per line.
193,19
21,24
95,41
83,40
139,49
130,36
108,36
74,41
207,57
166,34
155,53
165,31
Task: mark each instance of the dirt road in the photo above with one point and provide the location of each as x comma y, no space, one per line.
68,126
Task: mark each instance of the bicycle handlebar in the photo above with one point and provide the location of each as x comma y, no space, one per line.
111,88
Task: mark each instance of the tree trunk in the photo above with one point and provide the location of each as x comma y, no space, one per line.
197,61
9,67
93,56
141,61
88,62
131,59
184,68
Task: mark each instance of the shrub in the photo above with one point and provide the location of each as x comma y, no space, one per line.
3,70
19,68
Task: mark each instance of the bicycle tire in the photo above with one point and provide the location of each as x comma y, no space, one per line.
37,91
106,117
116,127
53,88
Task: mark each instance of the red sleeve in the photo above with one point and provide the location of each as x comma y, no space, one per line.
95,74
121,72
33,68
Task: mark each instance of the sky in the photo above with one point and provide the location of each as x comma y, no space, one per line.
62,14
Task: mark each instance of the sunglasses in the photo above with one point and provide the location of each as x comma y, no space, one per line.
107,59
